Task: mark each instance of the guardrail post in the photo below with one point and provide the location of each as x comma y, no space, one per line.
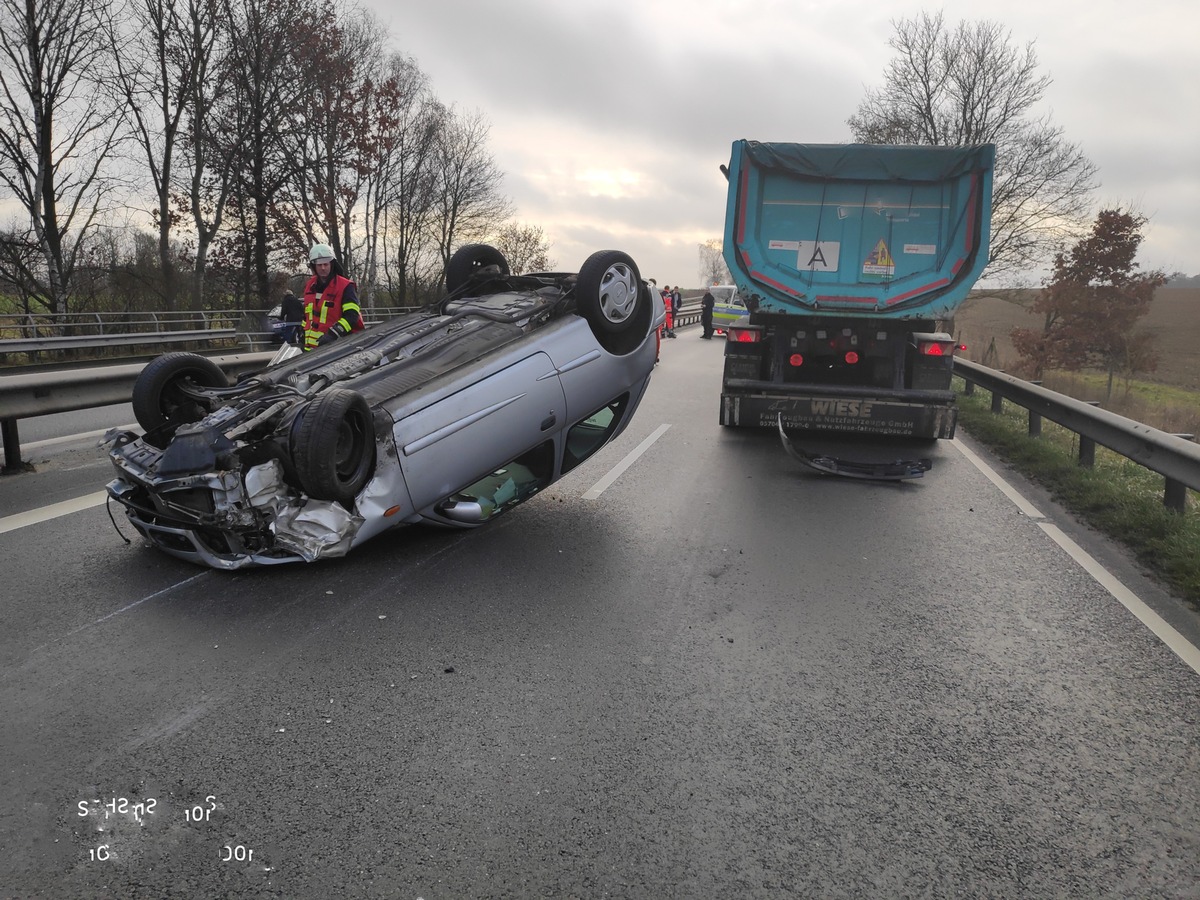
12,445
1035,419
1087,446
997,402
1087,452
968,387
1175,492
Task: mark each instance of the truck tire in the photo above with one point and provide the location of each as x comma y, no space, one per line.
334,446
158,393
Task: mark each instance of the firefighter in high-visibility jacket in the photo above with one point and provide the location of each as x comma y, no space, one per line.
330,300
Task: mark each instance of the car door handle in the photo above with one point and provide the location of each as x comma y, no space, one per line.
549,422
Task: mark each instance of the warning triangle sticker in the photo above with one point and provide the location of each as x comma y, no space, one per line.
880,255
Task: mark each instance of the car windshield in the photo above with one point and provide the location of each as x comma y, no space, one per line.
723,294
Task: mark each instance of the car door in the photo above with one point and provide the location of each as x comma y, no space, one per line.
468,434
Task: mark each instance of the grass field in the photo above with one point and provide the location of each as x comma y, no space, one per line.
1168,398
1174,320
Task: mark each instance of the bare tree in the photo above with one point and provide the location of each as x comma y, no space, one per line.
972,85
712,263
57,132
159,49
410,191
525,248
271,82
331,147
468,201
208,152
399,124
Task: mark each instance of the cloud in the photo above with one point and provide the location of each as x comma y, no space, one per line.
610,117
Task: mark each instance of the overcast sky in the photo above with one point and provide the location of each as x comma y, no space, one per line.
610,118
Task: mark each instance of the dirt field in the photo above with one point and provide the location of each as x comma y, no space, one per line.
1174,319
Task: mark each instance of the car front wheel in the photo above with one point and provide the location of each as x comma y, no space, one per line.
334,449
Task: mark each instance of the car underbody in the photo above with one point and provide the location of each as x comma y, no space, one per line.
448,416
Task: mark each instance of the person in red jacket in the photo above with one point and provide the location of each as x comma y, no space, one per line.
330,300
669,308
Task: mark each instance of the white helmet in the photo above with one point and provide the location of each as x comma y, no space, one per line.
320,253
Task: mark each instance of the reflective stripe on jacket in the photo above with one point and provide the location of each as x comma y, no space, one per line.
326,309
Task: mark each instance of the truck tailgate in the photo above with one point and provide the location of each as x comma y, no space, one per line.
857,228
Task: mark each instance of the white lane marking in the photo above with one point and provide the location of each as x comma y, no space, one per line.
1148,617
1009,491
130,606
606,482
82,436
53,511
104,618
1176,642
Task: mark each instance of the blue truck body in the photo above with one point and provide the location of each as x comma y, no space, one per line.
849,258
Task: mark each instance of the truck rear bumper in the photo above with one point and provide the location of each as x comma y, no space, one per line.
920,414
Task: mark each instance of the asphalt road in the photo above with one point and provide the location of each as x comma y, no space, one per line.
726,676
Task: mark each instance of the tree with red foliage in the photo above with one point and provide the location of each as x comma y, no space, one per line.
1092,303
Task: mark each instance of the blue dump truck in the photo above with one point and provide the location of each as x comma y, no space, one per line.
849,258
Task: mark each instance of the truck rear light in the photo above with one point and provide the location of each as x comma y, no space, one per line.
796,360
851,358
745,334
937,348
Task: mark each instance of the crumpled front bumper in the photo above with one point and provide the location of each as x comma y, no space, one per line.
227,519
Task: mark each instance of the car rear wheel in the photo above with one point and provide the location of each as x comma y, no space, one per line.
468,261
611,296
159,393
334,449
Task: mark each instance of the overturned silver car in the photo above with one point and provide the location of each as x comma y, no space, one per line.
448,416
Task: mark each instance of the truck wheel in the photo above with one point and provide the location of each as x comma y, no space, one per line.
159,396
334,447
469,260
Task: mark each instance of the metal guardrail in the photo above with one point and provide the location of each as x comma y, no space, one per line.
41,324
44,393
118,339
1174,457
30,333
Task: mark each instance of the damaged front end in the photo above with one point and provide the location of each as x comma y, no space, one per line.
222,491
226,517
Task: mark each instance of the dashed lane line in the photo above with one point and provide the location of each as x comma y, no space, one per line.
606,482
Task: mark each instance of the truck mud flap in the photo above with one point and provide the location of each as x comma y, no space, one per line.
897,470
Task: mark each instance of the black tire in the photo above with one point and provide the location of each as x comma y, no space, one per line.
158,398
468,260
611,295
334,447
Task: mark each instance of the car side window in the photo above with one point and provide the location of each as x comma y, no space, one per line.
587,436
511,483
